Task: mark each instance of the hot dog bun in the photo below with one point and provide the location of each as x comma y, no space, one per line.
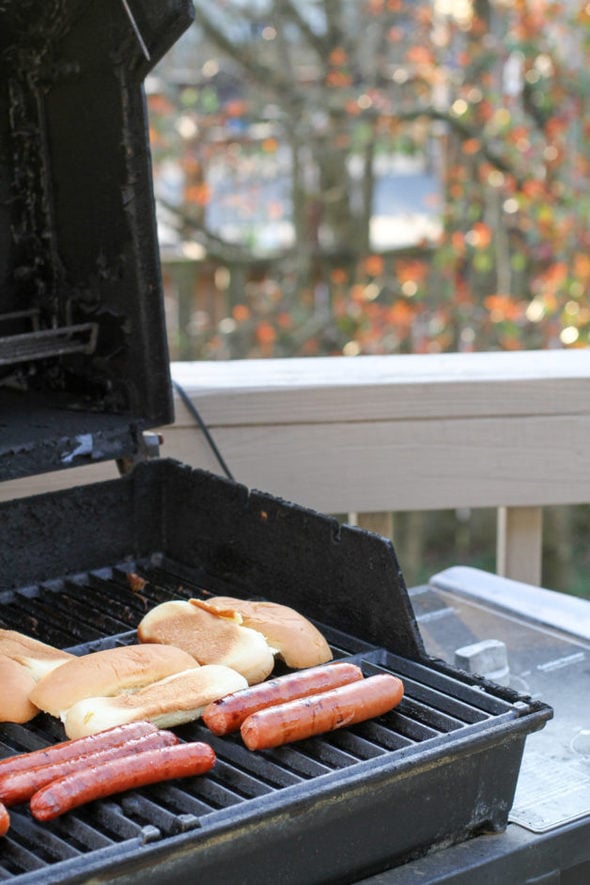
210,636
106,673
38,657
296,640
17,682
172,701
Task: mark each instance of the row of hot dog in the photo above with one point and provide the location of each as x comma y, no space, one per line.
292,707
194,659
66,775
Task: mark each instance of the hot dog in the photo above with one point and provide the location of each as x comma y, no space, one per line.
316,714
111,737
4,820
228,713
118,775
19,786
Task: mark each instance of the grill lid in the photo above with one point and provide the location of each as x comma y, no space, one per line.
83,356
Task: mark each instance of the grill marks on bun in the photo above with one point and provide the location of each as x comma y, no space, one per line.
297,642
210,636
169,702
107,673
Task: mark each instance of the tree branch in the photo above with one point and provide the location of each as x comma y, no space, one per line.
265,76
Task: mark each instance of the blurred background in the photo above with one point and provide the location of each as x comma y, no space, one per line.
351,177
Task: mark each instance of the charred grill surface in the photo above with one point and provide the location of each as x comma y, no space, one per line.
87,612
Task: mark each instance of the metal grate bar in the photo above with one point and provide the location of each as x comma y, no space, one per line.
46,343
41,839
81,616
38,613
430,717
178,801
16,859
141,808
125,610
380,737
446,684
13,617
263,769
349,741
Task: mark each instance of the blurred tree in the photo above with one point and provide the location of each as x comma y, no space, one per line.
277,130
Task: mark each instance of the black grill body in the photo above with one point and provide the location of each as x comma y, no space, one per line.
439,768
83,371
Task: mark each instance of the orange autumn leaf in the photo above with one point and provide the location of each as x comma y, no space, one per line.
159,104
458,242
582,266
411,271
374,265
236,108
352,108
198,193
338,276
265,333
420,55
480,235
503,307
401,313
533,188
338,57
285,320
338,79
471,146
556,273
241,313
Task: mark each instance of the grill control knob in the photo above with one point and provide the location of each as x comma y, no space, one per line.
488,658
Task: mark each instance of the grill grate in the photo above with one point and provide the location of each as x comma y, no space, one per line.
98,610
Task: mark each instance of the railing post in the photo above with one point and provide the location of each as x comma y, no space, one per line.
519,544
379,523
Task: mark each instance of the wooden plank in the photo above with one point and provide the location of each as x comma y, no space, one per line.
520,544
379,523
323,390
403,465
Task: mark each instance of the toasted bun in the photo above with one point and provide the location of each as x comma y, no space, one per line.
169,702
17,683
107,673
209,636
296,640
36,656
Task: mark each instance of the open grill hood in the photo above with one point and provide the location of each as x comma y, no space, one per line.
83,357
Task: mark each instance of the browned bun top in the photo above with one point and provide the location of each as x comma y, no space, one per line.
295,639
106,673
38,657
172,701
16,683
209,636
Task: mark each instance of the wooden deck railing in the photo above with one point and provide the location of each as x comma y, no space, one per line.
374,435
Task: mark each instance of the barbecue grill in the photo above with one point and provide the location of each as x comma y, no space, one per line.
84,377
